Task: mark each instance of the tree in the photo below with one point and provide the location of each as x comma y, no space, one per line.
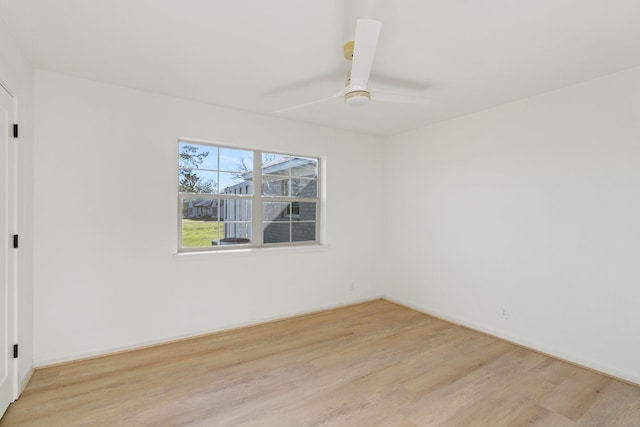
189,180
242,169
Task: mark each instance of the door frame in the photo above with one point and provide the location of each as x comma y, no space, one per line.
11,197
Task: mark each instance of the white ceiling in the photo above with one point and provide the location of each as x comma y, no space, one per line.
265,55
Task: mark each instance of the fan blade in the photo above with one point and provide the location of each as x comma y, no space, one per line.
358,9
308,104
399,98
317,81
385,81
364,49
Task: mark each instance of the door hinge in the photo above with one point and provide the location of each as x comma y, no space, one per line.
15,351
15,241
15,130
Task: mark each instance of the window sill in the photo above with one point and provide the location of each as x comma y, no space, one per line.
251,251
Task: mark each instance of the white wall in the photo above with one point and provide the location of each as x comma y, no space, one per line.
107,276
17,75
535,207
532,206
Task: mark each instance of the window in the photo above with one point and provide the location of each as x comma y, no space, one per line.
220,207
293,210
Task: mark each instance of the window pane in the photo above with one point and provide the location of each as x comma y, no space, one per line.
234,160
307,211
236,233
275,164
276,211
197,181
303,187
205,209
236,215
275,186
303,167
236,210
276,232
198,156
200,222
233,183
303,231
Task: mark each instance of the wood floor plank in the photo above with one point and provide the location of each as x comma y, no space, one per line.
537,416
575,395
470,386
617,404
372,364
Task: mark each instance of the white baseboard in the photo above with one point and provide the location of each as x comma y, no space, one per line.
26,377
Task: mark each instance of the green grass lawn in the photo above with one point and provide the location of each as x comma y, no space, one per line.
200,233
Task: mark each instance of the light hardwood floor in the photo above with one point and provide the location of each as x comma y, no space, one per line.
373,364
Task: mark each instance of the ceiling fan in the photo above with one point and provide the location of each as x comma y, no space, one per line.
361,53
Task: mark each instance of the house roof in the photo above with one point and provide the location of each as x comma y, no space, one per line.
283,163
204,203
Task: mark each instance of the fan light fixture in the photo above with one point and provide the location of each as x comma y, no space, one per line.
357,98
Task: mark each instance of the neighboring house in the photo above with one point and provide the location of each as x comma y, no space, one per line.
204,209
237,213
283,177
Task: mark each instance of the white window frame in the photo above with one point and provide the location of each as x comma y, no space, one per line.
257,203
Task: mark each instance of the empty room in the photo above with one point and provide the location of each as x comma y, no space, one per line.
320,213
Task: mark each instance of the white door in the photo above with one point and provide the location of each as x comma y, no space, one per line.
7,364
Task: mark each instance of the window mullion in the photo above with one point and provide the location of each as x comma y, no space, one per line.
256,213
